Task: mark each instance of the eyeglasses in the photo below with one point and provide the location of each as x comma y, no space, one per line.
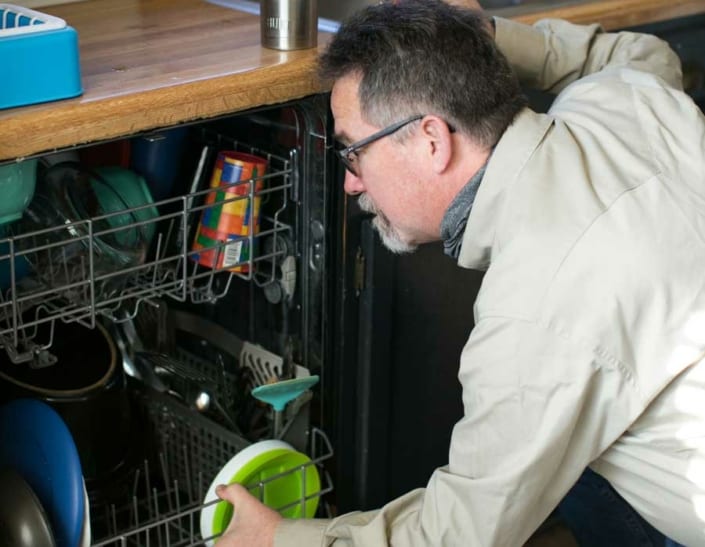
349,154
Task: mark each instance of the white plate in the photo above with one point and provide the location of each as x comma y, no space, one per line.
225,474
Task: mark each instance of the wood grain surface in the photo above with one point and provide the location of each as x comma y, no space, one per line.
155,63
147,64
614,14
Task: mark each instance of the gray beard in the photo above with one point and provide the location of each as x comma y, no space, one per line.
391,238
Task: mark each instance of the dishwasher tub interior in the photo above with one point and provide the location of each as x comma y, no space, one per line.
165,303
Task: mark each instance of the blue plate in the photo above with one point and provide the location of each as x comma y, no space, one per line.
35,441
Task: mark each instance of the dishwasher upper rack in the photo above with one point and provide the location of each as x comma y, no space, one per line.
72,289
165,505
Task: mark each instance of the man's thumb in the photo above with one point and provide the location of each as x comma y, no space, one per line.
231,492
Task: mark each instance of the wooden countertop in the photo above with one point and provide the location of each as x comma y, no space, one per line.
147,64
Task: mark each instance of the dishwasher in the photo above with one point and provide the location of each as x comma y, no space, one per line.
191,329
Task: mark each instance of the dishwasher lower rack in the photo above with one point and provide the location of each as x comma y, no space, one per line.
167,492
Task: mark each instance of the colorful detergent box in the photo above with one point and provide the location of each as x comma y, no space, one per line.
39,58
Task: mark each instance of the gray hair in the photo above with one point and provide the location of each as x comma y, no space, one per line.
426,57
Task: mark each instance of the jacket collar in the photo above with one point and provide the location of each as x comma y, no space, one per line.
511,154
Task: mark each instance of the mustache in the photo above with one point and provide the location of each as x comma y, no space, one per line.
365,203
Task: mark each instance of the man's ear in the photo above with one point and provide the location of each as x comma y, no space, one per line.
438,142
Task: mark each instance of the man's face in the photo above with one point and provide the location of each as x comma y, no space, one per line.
389,177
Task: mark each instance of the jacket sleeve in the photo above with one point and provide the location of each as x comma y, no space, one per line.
553,53
538,409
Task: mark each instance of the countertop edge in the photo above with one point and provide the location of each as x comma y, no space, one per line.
61,124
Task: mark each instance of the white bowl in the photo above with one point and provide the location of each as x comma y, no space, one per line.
86,531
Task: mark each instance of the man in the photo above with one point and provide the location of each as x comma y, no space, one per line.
590,223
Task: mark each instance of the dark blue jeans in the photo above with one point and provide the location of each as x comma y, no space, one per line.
599,517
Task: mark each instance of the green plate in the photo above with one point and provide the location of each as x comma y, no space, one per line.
280,492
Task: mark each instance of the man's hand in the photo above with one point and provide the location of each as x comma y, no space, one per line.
253,524
472,4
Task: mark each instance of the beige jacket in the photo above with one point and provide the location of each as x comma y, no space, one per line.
590,323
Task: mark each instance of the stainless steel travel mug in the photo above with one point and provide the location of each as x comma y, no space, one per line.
289,24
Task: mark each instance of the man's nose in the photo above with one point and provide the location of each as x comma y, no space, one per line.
353,185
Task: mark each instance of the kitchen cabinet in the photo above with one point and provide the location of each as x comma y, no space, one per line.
154,65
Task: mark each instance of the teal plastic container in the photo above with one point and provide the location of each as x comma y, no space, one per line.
39,59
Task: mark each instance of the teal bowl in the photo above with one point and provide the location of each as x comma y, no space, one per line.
17,181
132,190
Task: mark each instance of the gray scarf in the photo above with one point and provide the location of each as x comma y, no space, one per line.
456,216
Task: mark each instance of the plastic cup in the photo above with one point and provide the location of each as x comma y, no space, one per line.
223,236
157,158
